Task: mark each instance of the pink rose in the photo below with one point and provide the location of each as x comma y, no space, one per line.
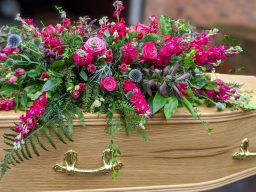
96,45
108,84
12,79
3,56
149,51
19,72
109,56
91,68
144,29
123,67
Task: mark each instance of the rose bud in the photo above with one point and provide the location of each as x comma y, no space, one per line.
82,87
20,72
12,79
109,56
75,95
45,75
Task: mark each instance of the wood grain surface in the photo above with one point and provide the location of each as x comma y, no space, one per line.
179,156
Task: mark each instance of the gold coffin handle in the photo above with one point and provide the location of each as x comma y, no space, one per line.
70,160
244,152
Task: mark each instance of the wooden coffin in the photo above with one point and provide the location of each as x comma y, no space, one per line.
179,156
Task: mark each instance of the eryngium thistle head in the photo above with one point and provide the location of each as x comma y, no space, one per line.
135,75
14,40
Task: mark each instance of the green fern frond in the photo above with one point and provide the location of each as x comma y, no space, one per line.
55,126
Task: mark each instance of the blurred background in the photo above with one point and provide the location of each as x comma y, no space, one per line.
235,18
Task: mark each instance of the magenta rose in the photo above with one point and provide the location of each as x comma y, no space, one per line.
144,29
96,45
149,51
108,84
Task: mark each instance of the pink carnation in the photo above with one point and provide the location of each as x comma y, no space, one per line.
129,86
130,53
66,22
54,44
83,58
119,28
108,84
48,31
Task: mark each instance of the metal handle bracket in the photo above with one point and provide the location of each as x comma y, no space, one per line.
70,161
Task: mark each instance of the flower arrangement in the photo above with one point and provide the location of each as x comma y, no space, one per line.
62,71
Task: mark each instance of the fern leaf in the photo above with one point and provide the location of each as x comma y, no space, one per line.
69,119
31,139
55,130
14,158
39,140
64,130
10,160
23,153
27,149
49,137
9,144
80,115
18,155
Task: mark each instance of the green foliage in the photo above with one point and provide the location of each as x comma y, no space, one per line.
91,93
51,84
170,107
158,102
151,38
83,75
7,90
165,25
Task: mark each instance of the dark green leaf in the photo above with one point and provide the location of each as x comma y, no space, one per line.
83,75
50,85
57,65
